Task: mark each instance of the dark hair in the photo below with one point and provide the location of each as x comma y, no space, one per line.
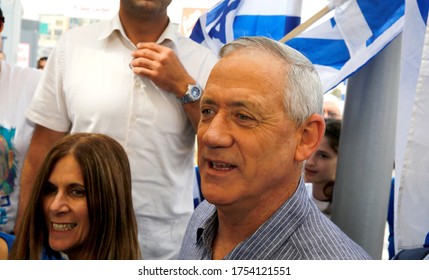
43,58
1,16
332,132
107,179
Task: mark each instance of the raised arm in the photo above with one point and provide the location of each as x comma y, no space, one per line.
41,142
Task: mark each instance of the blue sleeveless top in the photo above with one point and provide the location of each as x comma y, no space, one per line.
10,239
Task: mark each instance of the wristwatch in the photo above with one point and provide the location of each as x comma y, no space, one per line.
192,94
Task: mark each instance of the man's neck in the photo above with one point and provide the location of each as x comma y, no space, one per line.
228,236
140,30
237,222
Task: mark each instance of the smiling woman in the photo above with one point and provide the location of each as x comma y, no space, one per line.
81,206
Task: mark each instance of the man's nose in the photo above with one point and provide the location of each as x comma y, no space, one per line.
216,133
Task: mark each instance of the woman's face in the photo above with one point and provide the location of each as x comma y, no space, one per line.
65,207
321,167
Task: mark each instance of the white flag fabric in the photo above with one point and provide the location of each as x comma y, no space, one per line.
412,140
345,42
231,19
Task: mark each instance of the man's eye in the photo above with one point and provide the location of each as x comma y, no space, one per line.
243,117
206,112
246,120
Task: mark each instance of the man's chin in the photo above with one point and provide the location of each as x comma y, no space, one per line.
218,200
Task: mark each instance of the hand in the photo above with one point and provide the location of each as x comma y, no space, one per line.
162,66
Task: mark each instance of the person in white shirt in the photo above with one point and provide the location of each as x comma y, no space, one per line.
136,79
17,86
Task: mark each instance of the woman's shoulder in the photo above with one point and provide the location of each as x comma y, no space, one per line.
8,238
6,242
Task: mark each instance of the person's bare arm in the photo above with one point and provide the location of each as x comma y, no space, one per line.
163,67
41,142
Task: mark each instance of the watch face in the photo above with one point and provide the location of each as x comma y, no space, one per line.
195,92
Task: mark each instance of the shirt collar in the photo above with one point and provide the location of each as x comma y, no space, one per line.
283,222
277,229
169,35
206,231
108,29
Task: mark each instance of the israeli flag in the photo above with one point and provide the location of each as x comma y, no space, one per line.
337,47
231,19
411,207
345,42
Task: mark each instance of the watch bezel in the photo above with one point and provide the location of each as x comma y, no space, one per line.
189,95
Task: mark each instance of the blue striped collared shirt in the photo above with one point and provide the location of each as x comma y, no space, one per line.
296,231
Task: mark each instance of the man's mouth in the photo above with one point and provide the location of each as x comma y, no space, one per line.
221,166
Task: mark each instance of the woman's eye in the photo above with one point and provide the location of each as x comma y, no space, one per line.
323,156
78,192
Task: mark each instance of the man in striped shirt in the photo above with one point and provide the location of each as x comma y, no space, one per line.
261,118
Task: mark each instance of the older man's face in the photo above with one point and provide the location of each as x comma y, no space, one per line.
246,144
331,110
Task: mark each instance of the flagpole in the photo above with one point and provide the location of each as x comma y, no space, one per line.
367,149
300,28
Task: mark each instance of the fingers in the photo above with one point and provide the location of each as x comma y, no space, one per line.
151,56
144,63
161,65
146,53
146,59
151,51
150,45
145,67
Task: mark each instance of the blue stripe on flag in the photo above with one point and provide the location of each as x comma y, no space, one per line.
231,19
423,7
315,51
219,30
274,27
222,8
197,33
380,16
333,22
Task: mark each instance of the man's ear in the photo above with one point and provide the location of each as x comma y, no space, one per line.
1,26
311,135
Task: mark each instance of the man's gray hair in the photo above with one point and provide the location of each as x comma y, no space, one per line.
303,89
